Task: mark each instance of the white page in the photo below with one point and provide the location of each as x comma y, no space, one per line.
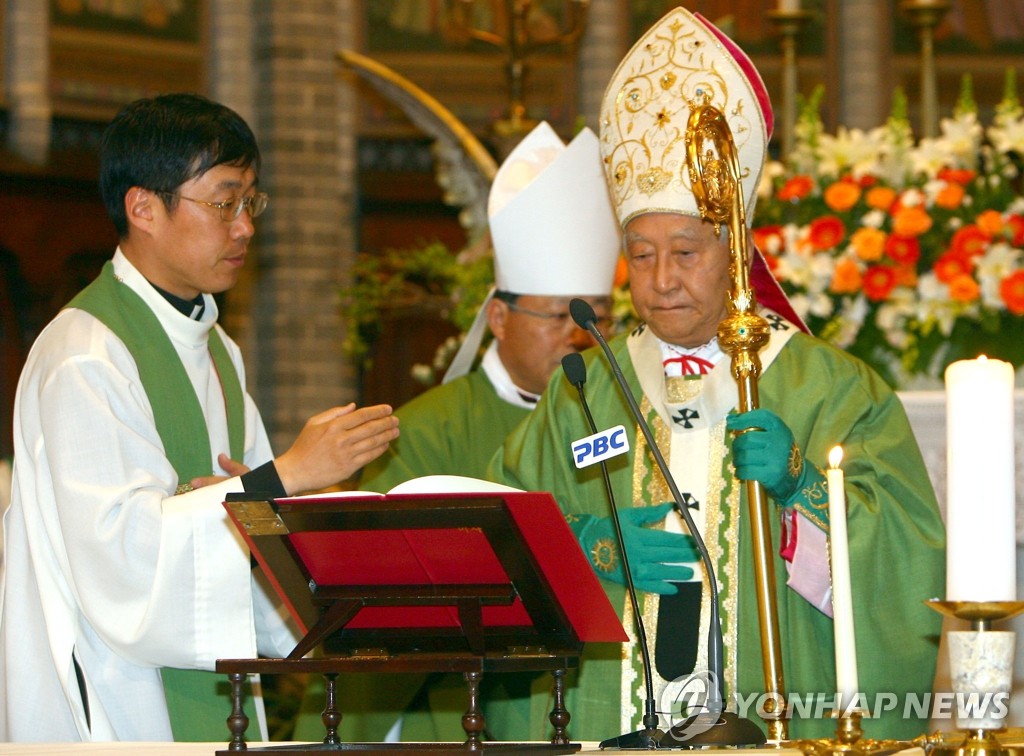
432,484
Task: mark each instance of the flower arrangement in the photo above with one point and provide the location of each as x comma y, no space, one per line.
909,255
429,277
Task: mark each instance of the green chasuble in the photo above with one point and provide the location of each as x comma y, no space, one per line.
896,540
452,429
195,706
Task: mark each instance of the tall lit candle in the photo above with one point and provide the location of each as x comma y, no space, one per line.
980,508
842,593
789,6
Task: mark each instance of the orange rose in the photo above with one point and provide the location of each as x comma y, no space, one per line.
880,197
1016,225
969,241
911,221
906,275
903,250
961,176
951,266
1012,291
868,243
846,279
826,232
964,289
796,188
842,195
950,196
991,222
879,281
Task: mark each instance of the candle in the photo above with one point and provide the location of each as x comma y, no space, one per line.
842,594
980,508
789,6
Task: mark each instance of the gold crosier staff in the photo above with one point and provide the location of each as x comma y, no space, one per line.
715,178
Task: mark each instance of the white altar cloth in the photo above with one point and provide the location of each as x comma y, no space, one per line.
208,749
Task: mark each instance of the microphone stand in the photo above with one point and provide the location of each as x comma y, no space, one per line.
729,728
576,371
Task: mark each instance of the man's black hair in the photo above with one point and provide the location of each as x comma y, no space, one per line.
506,296
160,143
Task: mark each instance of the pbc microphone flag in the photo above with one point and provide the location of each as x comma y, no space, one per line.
600,446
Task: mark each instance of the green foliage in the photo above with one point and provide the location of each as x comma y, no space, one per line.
398,279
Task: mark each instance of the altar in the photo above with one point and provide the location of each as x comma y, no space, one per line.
207,749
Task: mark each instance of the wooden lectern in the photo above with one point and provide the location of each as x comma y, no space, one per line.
460,582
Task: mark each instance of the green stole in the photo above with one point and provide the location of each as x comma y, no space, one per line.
197,712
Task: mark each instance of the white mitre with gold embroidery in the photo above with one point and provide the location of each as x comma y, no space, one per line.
679,62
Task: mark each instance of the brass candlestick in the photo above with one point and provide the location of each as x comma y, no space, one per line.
518,44
788,25
925,15
849,741
985,660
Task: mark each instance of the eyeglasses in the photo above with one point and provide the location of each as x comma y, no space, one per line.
556,320
232,208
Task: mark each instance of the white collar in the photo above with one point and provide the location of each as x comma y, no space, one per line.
179,327
495,370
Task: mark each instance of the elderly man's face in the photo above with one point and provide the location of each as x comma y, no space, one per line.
678,276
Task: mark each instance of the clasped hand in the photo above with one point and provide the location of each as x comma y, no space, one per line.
765,451
653,553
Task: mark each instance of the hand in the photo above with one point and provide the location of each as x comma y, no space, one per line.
228,465
651,552
334,445
767,452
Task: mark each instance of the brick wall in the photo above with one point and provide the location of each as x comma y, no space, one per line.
306,124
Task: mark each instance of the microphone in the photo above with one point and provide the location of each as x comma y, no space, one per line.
576,371
729,728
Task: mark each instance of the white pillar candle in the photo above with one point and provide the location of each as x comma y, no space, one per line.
980,509
789,6
842,593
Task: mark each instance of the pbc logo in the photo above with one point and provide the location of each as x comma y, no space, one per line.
604,445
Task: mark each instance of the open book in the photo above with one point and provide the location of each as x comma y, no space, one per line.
428,484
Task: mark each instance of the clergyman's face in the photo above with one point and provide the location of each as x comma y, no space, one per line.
678,276
191,249
530,345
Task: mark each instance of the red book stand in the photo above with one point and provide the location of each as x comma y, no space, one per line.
464,582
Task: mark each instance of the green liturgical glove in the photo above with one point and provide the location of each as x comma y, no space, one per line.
653,553
765,451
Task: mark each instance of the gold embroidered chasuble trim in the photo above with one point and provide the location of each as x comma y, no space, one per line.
650,488
712,396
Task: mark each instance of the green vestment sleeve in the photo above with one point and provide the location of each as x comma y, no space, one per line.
452,429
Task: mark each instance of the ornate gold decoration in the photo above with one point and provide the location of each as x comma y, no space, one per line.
518,45
605,555
796,461
680,60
